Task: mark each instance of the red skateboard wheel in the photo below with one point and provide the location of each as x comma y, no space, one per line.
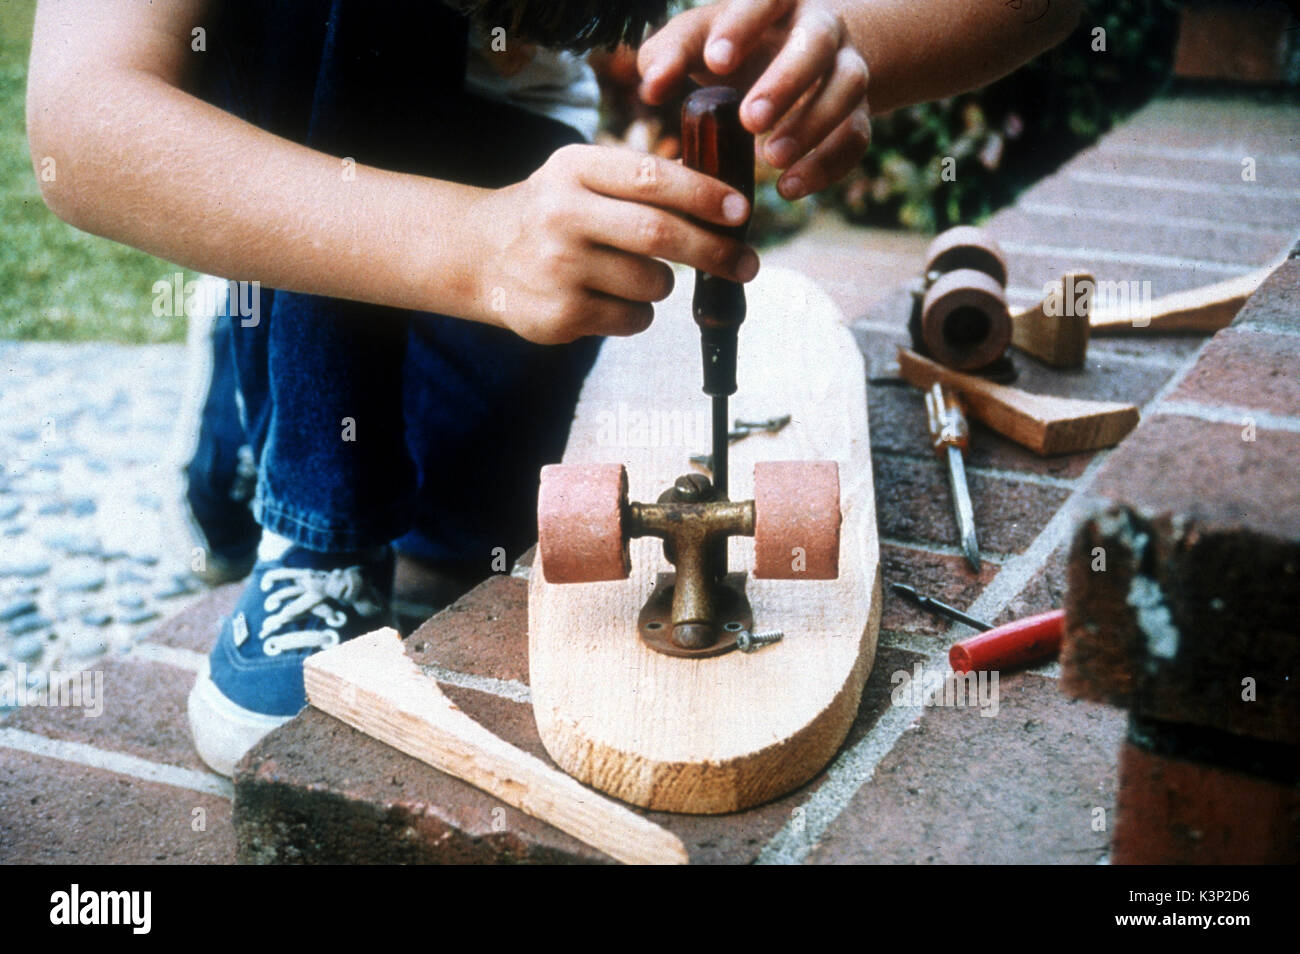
797,520
967,246
580,525
965,323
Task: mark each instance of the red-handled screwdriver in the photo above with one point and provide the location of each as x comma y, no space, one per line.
1018,643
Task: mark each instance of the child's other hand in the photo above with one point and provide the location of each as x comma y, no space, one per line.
807,85
574,249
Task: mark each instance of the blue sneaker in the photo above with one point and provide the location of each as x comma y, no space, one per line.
294,604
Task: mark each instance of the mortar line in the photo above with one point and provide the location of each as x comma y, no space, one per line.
119,763
1188,222
995,473
1230,414
942,549
503,688
855,766
1146,259
1177,185
1201,155
177,658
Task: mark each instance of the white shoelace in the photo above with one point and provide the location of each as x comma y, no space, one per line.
306,594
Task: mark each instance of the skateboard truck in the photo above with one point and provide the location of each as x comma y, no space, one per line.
585,523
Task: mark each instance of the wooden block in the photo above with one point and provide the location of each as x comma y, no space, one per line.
1056,330
372,685
1206,310
1044,424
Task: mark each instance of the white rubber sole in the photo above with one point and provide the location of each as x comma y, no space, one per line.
222,730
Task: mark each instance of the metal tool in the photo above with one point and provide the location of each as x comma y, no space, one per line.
938,608
739,431
715,143
950,437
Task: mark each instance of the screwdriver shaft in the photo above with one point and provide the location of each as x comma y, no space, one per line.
961,504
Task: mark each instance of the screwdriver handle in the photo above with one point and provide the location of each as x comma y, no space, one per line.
715,143
947,421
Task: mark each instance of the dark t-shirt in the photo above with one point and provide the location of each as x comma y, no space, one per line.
381,81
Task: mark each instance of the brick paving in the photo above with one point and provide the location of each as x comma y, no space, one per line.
1161,199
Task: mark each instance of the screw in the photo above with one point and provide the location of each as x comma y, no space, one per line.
748,642
690,488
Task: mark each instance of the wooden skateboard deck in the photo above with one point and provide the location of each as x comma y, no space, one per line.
718,734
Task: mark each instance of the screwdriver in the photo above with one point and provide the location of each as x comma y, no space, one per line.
950,437
715,143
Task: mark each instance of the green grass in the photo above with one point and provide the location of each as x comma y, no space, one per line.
56,283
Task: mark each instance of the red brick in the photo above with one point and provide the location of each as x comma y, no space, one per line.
1044,591
55,812
1174,811
946,578
1246,369
1275,306
1073,231
1217,606
144,715
961,788
317,791
484,633
913,502
1264,210
195,627
1179,464
1229,123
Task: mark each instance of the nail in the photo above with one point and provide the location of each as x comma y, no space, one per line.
792,187
760,112
719,54
747,267
781,152
735,208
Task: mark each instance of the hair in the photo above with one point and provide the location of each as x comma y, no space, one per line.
577,25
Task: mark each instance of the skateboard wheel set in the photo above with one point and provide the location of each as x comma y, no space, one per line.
584,526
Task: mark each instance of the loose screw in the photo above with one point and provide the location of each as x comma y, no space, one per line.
748,642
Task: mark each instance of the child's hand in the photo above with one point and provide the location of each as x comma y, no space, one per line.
573,250
807,84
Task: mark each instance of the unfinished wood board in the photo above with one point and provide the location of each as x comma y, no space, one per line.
719,734
1207,309
1044,424
1061,337
372,685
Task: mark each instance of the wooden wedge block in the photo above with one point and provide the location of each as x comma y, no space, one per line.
1056,330
372,685
1044,424
1207,309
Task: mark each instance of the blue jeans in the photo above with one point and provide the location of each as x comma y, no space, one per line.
372,425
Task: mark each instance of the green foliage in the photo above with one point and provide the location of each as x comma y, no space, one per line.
57,283
1002,138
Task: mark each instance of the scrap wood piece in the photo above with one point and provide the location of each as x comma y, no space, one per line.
1207,309
372,685
1056,330
1041,422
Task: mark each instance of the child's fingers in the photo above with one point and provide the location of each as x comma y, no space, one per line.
609,315
808,55
665,58
812,121
655,233
632,277
625,174
831,160
737,30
